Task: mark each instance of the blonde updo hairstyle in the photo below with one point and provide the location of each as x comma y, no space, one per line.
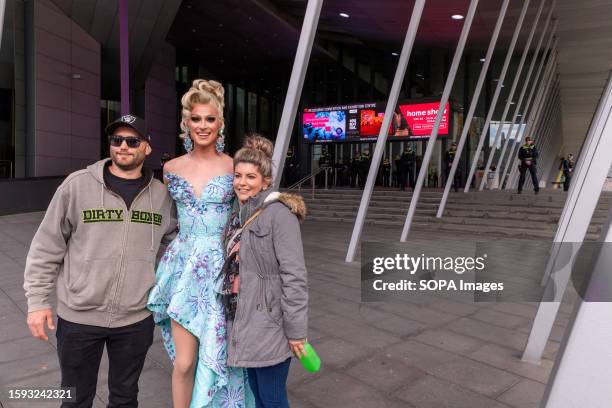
201,92
256,150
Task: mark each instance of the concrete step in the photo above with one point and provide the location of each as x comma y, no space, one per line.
398,216
546,208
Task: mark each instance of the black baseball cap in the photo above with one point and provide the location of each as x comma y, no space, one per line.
131,121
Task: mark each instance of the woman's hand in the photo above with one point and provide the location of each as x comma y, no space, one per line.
297,347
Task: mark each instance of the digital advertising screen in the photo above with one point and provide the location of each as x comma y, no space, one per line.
362,122
325,126
421,117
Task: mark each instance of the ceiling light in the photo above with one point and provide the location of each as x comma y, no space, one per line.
482,60
344,15
457,17
511,103
395,54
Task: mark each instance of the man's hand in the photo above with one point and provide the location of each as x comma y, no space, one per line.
297,347
36,323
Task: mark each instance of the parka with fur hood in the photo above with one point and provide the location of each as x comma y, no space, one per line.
273,294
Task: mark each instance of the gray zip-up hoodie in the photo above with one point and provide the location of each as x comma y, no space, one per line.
101,254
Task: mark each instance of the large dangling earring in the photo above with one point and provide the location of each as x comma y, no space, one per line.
220,146
187,142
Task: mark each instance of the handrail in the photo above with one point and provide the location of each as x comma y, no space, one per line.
310,177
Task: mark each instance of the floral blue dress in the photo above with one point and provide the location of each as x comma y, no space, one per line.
185,290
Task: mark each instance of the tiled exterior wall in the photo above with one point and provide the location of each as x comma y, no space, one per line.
67,110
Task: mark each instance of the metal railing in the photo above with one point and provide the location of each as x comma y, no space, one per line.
312,178
3,164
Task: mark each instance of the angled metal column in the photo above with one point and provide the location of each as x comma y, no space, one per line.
519,104
498,89
536,109
402,65
553,145
294,90
580,205
2,8
535,115
545,128
582,370
515,83
448,87
529,129
124,56
544,131
528,105
473,105
558,141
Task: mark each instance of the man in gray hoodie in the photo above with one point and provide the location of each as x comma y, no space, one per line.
98,244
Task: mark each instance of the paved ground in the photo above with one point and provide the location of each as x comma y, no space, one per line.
432,352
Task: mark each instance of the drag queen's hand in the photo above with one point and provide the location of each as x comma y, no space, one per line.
36,323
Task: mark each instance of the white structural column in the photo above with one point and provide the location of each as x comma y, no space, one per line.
519,104
555,129
528,105
2,8
535,115
448,87
554,145
500,84
581,377
402,65
294,91
473,105
544,130
536,109
583,196
510,100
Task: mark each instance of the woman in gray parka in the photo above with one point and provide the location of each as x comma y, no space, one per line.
265,277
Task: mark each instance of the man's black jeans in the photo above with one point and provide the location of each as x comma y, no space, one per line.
80,348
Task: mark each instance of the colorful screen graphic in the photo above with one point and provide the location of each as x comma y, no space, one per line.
324,126
421,118
362,122
370,122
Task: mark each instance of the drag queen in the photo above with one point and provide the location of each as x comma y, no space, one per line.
184,302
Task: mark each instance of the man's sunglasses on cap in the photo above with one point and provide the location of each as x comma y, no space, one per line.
131,141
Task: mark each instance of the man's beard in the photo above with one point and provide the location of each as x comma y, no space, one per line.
134,164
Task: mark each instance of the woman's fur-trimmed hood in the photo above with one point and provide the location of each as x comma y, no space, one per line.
294,202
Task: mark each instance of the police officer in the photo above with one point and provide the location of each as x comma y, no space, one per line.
386,173
406,175
448,161
567,165
362,167
528,155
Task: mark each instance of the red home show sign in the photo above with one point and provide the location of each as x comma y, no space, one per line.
422,116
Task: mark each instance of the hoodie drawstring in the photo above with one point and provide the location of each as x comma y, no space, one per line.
101,195
152,224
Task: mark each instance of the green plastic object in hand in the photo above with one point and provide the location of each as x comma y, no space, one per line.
310,360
